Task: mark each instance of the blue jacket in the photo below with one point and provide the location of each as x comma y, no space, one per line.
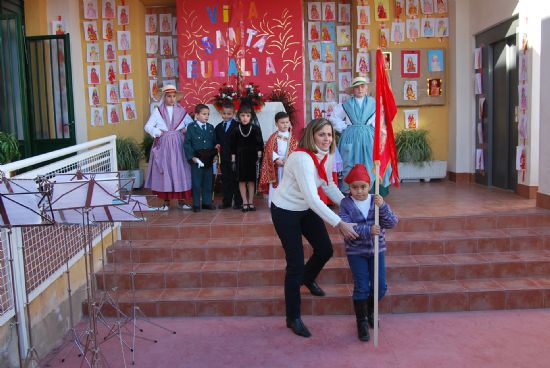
349,212
198,139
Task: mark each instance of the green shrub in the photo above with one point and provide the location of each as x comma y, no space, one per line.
128,153
413,146
9,148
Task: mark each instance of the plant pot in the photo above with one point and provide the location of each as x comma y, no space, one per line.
422,171
137,175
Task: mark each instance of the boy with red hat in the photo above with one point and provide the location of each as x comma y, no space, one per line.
358,208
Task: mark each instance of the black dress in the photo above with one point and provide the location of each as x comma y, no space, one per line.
246,141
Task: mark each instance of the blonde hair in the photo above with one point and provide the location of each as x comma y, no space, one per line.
308,137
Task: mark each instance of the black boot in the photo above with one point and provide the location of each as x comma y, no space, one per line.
297,326
370,311
360,315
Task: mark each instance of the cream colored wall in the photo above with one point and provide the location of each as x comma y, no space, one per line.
544,157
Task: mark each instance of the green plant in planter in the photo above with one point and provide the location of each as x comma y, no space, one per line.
9,148
146,146
128,153
413,146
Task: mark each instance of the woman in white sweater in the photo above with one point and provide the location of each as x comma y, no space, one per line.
297,210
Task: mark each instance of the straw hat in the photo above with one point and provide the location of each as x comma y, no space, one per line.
357,81
169,88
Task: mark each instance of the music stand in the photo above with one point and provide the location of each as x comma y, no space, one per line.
21,208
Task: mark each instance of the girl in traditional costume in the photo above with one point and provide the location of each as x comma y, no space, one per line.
169,175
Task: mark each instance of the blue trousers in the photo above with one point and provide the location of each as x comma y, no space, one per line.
201,183
362,268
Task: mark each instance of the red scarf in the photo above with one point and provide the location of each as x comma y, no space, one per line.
321,171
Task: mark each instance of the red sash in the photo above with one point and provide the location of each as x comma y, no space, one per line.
321,171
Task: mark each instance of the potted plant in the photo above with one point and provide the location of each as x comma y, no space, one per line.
414,154
9,148
129,154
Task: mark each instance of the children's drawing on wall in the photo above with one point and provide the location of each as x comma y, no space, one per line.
362,67
523,96
152,70
480,133
93,74
113,114
410,63
411,119
168,68
344,11
174,46
328,32
481,108
427,27
165,23
442,28
327,52
427,6
108,9
96,114
399,7
412,8
150,23
413,28
110,73
90,9
523,67
123,15
441,6
477,58
384,37
127,88
329,72
315,71
343,37
363,15
93,96
363,37
112,93
398,32
316,92
107,30
522,126
344,60
387,60
436,61
329,109
92,52
125,64
90,31
57,27
330,92
410,90
129,110
153,89
166,45
109,51
314,51
314,10
313,29
381,12
478,86
151,44
344,80
435,87
328,9
123,38
317,110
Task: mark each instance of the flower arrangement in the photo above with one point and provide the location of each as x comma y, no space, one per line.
250,93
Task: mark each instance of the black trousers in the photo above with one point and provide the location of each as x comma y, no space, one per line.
290,226
230,185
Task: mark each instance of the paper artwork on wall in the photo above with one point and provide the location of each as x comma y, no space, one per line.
113,114
90,31
442,27
129,110
411,119
317,110
387,60
92,52
363,15
314,10
93,74
478,88
166,45
329,72
344,11
125,64
427,6
522,93
481,107
410,63
384,37
522,125
174,26
436,61
329,109
123,15
315,73
151,22
110,71
399,7
410,90
90,9
330,92
381,10
343,36
93,96
328,9
313,29
327,52
413,28
344,60
314,51
427,27
165,23
523,67
107,29
112,93
57,27
477,58
153,89
316,92
123,40
412,8
362,67
151,44
328,32
363,39
96,114
480,133
126,88
435,87
109,51
344,80
168,68
441,6
398,32
343,97
520,157
108,9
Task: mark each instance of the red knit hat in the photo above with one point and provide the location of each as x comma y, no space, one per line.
358,173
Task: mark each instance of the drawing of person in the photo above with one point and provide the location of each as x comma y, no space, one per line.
108,31
410,92
152,25
363,16
442,28
95,97
154,90
168,71
427,6
113,96
123,16
110,52
124,44
344,62
363,69
97,118
441,8
413,31
165,24
92,34
344,37
111,77
428,30
109,13
317,77
329,14
434,88
363,43
411,66
328,54
166,48
383,40
153,46
126,93
317,114
382,14
314,33
94,56
153,69
114,115
94,77
91,12
329,74
317,93
325,34
130,113
345,82
344,14
315,55
124,66
314,12
398,9
398,34
329,94
413,10
435,65
411,122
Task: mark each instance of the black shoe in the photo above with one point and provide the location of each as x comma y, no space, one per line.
251,207
363,330
208,207
359,306
314,289
298,327
224,206
196,209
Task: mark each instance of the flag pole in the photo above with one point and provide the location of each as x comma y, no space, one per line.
376,247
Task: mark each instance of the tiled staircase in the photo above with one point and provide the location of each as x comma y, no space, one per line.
187,265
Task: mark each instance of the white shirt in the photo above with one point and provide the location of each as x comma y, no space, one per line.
298,189
156,124
364,206
340,119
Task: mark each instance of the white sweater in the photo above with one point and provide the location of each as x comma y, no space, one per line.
298,189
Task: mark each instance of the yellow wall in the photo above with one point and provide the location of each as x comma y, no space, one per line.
36,22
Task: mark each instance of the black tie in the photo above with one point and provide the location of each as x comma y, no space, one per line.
204,127
225,126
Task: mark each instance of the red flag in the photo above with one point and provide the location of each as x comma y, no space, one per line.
384,143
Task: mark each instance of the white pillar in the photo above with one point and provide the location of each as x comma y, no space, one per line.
543,195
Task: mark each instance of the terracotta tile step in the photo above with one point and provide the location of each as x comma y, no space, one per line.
271,272
267,247
404,297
